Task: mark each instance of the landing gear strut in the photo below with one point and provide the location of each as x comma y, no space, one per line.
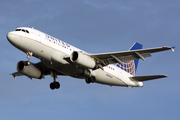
29,54
54,85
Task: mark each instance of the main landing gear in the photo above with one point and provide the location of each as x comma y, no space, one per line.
90,79
54,85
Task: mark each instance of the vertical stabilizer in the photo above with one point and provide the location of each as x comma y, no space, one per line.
136,46
131,66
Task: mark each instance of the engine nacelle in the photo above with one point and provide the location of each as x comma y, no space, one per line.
82,60
29,70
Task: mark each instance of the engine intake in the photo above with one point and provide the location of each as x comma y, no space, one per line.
29,70
83,60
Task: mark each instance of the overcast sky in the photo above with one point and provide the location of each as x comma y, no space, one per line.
94,26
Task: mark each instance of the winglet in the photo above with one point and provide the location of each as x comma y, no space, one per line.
172,48
13,76
16,74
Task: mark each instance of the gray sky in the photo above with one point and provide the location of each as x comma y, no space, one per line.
94,26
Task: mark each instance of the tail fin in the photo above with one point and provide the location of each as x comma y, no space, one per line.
131,66
136,46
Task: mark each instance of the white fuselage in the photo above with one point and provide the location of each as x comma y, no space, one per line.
53,52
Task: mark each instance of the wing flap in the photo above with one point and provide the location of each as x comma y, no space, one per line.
127,58
146,78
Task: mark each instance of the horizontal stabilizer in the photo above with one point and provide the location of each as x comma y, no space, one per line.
146,78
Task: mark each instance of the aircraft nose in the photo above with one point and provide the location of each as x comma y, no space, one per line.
10,37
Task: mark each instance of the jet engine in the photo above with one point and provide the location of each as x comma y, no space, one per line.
29,70
83,60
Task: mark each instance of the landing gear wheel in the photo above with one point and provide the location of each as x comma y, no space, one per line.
90,79
87,81
54,85
57,85
28,63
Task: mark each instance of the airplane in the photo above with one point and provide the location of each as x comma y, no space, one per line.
60,58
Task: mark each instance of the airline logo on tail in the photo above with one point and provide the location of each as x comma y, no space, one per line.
128,66
131,66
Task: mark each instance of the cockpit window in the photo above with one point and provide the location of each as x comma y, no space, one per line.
18,30
27,31
23,30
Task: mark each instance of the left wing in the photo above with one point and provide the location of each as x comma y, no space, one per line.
119,57
43,67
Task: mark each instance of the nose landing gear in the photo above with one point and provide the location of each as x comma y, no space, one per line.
29,54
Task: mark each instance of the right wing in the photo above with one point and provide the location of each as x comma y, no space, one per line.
122,56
